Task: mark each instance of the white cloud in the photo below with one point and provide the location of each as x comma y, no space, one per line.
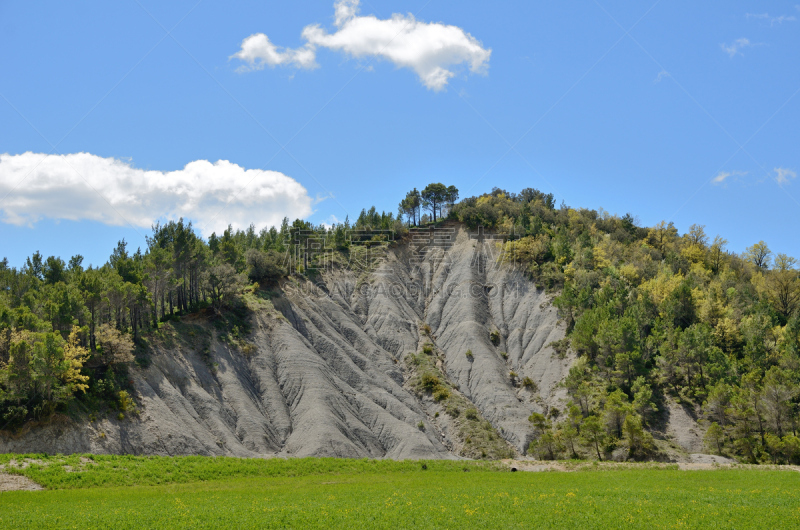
210,194
331,221
345,10
661,75
431,50
257,51
736,47
772,20
784,176
722,176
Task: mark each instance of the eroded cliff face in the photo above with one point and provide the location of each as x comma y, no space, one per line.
325,372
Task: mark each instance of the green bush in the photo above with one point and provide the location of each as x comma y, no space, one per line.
263,266
429,381
126,402
560,347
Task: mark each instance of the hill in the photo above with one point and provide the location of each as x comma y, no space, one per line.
510,327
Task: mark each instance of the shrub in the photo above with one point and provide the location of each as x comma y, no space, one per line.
469,355
494,336
560,347
441,394
471,413
430,382
222,283
504,355
426,329
126,402
117,347
421,426
263,266
453,411
428,348
528,383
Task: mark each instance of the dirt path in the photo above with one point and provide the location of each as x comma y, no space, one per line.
17,483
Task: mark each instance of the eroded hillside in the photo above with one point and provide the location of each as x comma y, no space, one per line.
331,368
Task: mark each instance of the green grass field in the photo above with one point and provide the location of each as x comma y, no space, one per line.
194,492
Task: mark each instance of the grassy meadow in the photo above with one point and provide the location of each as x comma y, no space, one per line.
197,492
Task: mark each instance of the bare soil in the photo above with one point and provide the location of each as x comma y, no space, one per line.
17,483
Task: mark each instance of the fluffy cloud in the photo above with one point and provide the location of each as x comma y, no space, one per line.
257,51
431,50
784,176
736,47
212,195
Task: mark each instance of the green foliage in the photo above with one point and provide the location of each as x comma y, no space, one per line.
714,438
40,373
441,394
561,347
410,207
264,267
126,402
430,382
438,198
529,383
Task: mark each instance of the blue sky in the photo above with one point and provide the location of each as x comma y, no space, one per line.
680,111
